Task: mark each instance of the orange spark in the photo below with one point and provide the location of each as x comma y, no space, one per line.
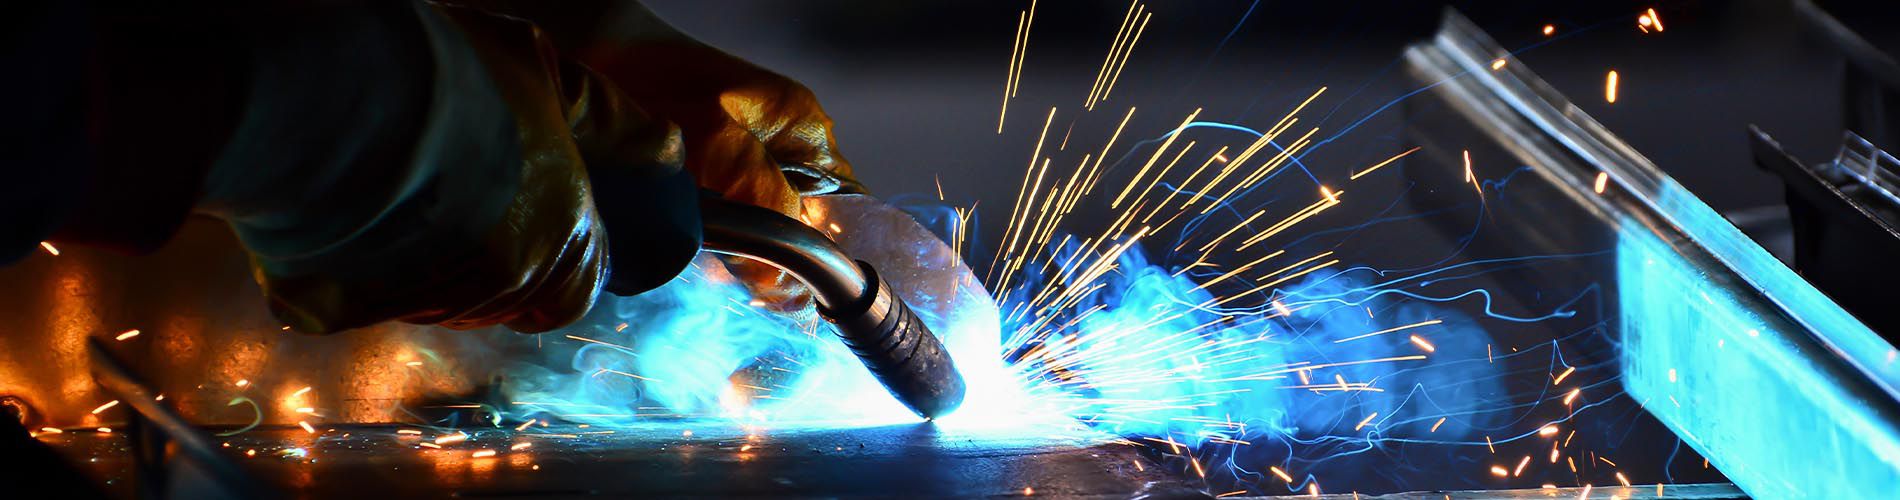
1381,164
1282,474
1422,344
1366,421
1609,87
128,334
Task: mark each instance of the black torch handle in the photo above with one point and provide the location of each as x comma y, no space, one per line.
899,350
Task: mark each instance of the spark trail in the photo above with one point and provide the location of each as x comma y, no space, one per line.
1176,298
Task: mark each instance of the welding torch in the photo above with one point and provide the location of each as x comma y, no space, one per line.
871,319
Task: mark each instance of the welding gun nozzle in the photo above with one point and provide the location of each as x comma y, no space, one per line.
899,350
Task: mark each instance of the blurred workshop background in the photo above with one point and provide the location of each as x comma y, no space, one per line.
916,87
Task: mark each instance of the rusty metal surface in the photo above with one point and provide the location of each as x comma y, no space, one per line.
897,461
204,329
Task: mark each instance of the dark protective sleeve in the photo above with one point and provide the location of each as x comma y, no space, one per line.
113,115
647,201
138,115
310,126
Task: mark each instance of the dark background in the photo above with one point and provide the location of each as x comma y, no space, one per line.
915,89
915,86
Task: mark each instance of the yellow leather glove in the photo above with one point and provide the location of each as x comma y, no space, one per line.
751,135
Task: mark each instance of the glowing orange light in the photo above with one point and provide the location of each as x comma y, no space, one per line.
1422,344
1609,88
104,407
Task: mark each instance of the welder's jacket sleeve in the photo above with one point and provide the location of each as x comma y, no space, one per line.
364,189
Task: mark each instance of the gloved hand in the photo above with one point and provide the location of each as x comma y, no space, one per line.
751,135
389,161
382,162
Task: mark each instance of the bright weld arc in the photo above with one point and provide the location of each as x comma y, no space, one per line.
1103,327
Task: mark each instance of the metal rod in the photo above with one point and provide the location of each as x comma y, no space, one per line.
756,233
113,376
